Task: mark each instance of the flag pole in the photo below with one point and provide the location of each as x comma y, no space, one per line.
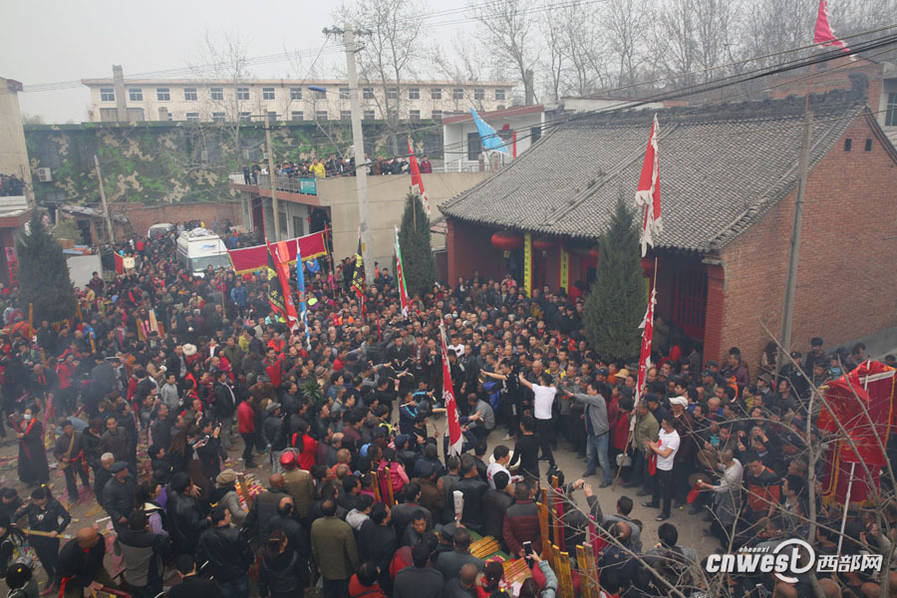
846,507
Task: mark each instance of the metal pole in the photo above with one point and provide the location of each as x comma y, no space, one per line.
791,283
103,199
361,182
846,507
271,179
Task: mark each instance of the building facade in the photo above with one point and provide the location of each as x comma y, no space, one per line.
282,99
729,177
519,127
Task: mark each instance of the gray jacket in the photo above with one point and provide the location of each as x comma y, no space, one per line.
596,409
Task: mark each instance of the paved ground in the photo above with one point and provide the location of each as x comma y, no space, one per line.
88,512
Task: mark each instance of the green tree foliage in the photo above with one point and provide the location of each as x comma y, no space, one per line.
617,301
44,275
414,239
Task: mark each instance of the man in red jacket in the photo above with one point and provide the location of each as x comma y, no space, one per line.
246,427
522,522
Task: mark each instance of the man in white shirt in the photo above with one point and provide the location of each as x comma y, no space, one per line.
542,402
501,456
665,448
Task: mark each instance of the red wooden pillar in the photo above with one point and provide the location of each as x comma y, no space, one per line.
451,253
713,323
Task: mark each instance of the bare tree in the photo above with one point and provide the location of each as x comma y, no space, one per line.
387,54
554,57
584,49
507,27
626,24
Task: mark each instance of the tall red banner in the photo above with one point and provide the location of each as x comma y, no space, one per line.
456,442
280,251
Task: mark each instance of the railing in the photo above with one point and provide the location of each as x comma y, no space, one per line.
305,185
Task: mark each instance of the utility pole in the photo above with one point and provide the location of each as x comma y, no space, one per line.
96,163
271,179
791,283
361,183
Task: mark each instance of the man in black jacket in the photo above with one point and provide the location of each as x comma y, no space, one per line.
265,507
142,551
228,553
185,518
192,585
81,564
495,502
119,494
225,405
419,581
473,488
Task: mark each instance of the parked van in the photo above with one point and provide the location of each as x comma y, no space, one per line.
200,248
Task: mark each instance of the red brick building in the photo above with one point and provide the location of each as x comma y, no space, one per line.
729,177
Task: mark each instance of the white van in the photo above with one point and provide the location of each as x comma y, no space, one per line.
200,248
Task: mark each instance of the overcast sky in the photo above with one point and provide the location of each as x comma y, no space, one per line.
50,41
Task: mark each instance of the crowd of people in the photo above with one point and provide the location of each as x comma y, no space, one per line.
11,184
147,417
334,166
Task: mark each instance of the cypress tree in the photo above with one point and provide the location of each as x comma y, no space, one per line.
44,275
414,239
618,297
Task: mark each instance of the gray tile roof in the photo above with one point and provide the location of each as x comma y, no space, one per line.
721,168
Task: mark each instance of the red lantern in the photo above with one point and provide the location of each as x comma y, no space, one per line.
506,241
594,252
543,244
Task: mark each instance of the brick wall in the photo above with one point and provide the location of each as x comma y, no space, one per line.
142,217
846,278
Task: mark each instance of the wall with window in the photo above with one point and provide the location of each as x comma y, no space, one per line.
416,100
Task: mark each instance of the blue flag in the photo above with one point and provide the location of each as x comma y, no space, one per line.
313,266
300,286
491,140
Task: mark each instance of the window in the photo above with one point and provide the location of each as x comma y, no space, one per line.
436,115
245,116
848,144
163,94
110,115
190,94
891,114
267,93
272,117
242,93
297,115
192,116
868,147
369,115
414,114
321,115
135,94
344,93
298,226
217,93
436,93
479,93
414,93
345,115
392,93
218,117
295,93
367,93
107,94
500,94
283,222
163,114
500,107
457,93
535,134
474,146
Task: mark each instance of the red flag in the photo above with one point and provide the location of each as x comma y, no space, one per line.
417,182
648,193
456,442
823,34
644,360
280,254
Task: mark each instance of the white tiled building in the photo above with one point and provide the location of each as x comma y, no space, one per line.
282,99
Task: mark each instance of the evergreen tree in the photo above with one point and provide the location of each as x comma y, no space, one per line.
414,240
44,275
618,297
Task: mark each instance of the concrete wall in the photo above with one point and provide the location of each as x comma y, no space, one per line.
13,152
212,214
455,156
386,196
845,284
